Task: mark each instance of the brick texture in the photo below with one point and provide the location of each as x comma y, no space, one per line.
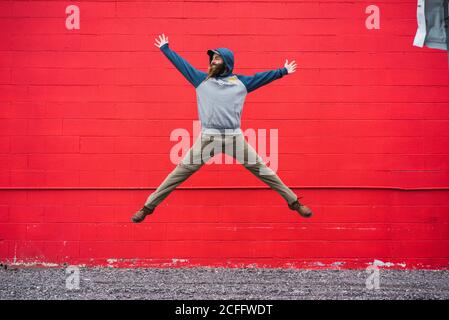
85,110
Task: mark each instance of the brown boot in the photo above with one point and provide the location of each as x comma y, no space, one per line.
140,215
303,210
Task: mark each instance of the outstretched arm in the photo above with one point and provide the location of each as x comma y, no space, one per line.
262,78
193,75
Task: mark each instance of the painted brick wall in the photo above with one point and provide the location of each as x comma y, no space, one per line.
86,116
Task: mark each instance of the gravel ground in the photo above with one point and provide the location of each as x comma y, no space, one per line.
221,283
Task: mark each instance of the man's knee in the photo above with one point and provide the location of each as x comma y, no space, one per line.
253,166
259,168
191,167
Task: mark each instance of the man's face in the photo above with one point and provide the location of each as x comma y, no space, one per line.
216,66
217,59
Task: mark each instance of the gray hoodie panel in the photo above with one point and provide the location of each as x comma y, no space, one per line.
220,104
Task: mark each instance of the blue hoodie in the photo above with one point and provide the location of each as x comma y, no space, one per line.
220,99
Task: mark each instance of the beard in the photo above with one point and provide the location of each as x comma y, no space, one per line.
215,70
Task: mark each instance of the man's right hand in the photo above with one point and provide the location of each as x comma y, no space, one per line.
162,40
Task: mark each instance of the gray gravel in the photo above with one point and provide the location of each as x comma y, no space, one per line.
221,283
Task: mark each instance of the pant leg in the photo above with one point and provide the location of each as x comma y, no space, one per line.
192,162
247,156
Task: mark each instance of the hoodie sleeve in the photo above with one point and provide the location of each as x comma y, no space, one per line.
261,78
193,75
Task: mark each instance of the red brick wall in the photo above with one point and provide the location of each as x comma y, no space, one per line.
86,116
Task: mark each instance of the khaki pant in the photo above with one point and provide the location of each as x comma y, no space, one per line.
207,146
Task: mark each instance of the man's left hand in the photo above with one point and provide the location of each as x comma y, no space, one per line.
291,67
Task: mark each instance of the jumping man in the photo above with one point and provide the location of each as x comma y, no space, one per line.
220,97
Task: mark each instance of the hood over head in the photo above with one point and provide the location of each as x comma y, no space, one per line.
228,59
